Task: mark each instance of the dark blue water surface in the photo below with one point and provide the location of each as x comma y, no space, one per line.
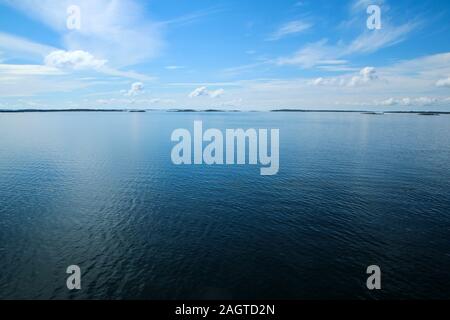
99,190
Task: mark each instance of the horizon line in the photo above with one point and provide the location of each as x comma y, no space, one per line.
429,112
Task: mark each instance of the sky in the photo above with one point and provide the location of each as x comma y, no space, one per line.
233,54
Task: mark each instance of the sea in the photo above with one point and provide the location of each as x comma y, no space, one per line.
99,190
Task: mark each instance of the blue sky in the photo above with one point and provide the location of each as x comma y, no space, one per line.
246,54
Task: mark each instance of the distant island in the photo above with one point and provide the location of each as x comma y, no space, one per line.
194,110
60,110
423,113
365,111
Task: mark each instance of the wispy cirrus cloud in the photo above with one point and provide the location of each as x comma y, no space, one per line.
174,67
114,35
192,17
374,40
113,30
15,46
28,70
322,53
335,57
359,5
409,83
288,29
365,76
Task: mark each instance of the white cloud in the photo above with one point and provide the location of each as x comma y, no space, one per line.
290,28
16,47
410,84
443,82
366,75
328,82
77,60
111,31
136,89
203,91
117,31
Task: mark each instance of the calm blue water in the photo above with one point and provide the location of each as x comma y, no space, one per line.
99,190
